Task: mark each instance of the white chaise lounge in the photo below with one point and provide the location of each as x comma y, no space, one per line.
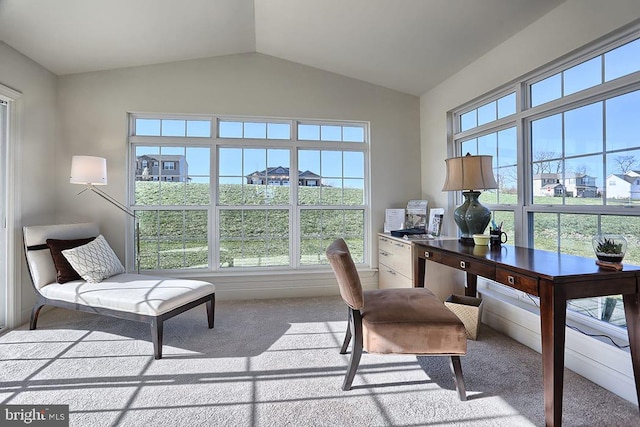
148,299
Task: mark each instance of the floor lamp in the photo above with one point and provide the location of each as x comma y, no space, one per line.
469,174
92,171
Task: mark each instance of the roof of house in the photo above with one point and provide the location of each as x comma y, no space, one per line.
278,171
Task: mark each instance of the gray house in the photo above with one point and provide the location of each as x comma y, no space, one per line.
279,175
162,168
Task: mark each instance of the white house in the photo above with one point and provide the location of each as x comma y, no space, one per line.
625,186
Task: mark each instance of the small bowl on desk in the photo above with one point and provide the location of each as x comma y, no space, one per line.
481,239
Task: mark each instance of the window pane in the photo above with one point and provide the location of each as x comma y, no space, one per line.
507,105
487,113
173,239
230,129
468,120
173,128
318,228
278,131
583,76
198,179
623,122
353,164
309,132
148,127
469,147
259,238
309,180
331,133
507,174
583,130
546,90
546,142
583,180
622,61
353,134
331,164
255,130
199,128
623,178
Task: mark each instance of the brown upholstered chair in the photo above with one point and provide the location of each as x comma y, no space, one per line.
399,321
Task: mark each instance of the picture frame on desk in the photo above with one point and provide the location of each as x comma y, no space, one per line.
436,216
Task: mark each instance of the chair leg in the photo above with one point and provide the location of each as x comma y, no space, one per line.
35,312
356,351
456,369
211,308
347,335
156,337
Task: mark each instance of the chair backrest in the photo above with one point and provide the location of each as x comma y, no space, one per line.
345,270
39,261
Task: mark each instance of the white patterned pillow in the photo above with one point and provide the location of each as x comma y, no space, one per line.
94,261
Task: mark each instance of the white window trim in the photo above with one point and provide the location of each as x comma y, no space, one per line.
215,143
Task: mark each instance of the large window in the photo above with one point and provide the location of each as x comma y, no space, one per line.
221,193
566,155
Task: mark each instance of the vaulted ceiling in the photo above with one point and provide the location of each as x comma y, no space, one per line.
406,45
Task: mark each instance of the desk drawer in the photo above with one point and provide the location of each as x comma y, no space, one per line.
517,281
469,265
389,278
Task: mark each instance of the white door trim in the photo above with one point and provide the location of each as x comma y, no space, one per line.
14,209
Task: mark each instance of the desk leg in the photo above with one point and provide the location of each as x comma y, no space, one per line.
471,287
553,314
631,313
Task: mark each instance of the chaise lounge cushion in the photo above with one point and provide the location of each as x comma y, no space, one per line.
133,293
94,261
64,272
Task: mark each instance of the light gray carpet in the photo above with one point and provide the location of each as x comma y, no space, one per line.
275,363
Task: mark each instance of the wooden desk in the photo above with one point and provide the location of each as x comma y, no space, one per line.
553,277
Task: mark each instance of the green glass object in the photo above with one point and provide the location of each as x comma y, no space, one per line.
471,217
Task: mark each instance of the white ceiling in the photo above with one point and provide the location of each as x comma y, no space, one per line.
406,45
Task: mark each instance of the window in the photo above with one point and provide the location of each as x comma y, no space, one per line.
567,161
260,193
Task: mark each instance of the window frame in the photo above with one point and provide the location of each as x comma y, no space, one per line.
215,143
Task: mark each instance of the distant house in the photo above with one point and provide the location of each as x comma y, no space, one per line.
575,185
279,175
624,186
547,184
162,168
580,185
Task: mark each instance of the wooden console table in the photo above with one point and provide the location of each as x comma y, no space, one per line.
553,277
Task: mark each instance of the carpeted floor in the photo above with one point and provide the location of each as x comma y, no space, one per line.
275,363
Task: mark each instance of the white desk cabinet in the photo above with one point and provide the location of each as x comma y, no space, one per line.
395,262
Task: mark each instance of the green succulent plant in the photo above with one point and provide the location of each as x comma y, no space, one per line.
609,246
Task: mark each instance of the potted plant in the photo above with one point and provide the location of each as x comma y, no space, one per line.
610,248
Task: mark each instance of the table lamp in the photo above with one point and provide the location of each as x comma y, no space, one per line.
469,174
92,171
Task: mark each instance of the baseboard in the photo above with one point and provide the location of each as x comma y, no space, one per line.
601,363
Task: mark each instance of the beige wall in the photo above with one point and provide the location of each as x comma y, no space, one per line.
566,28
35,190
93,112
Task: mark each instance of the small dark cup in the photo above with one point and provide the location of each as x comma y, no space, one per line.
497,237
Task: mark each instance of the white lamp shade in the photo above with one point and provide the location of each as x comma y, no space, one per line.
469,173
88,170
